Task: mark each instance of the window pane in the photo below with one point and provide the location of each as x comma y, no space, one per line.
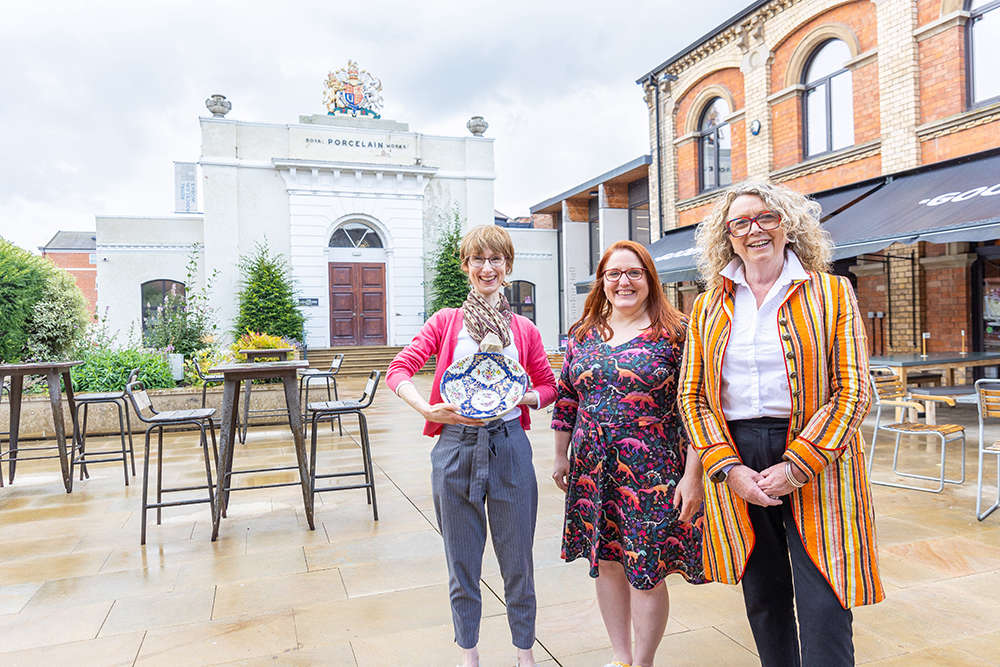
985,56
595,246
842,105
724,136
714,114
341,240
355,235
638,223
708,180
829,58
816,121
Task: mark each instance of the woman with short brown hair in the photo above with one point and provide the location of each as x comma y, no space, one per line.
482,470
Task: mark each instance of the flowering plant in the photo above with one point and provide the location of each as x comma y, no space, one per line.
253,340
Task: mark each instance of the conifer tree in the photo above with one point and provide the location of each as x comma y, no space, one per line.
267,296
450,285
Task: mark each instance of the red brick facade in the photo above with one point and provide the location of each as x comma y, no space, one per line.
83,271
910,107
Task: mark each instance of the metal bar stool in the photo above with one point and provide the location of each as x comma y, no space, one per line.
137,395
307,375
4,389
336,409
116,398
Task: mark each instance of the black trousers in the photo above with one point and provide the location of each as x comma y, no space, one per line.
781,581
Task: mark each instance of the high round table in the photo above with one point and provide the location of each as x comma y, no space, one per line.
51,370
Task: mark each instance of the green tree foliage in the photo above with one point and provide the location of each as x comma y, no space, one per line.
267,296
450,285
42,311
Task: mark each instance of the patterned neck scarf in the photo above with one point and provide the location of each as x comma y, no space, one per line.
481,318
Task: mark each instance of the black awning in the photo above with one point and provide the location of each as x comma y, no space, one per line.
954,201
834,201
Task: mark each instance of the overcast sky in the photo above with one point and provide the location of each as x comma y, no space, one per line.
97,99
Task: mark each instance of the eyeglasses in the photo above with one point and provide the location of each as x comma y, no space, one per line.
614,275
765,220
480,262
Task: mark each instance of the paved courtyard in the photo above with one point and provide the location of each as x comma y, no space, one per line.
76,587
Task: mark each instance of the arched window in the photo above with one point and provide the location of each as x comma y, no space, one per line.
355,235
521,295
154,294
715,146
984,50
829,102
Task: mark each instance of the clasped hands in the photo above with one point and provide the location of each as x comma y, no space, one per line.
761,488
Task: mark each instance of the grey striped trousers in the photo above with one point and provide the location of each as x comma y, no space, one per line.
475,469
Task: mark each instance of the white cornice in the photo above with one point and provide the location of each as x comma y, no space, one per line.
364,167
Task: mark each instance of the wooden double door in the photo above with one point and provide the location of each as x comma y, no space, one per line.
357,304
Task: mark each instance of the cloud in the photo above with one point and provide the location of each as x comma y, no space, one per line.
102,97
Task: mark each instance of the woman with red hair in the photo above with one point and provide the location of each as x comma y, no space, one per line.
633,485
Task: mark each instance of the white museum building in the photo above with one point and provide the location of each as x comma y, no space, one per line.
353,201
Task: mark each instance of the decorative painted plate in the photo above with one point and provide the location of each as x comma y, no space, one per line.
484,385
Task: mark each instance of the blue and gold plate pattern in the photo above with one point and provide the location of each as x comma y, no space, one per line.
484,385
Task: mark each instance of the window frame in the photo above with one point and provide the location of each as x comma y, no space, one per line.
637,204
165,289
518,306
702,136
970,83
594,232
343,227
828,103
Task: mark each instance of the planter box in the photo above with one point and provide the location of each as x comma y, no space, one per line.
36,414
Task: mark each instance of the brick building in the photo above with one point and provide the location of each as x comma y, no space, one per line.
849,101
75,252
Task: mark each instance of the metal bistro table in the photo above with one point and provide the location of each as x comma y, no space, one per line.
233,374
253,356
51,370
951,361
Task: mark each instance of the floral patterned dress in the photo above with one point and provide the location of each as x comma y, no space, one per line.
627,453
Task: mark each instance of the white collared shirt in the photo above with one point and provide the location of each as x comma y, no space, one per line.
754,380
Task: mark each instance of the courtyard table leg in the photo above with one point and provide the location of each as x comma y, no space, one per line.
230,390
55,400
16,385
295,423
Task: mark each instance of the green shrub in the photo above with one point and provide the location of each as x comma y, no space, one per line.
42,312
267,296
450,285
107,370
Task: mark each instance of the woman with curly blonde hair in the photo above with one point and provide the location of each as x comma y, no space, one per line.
774,387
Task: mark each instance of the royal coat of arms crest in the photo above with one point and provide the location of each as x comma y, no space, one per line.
353,91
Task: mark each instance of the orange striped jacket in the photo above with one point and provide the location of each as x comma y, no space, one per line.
826,361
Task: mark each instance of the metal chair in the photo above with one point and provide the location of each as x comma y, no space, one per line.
336,409
307,375
137,395
988,402
888,390
116,398
205,379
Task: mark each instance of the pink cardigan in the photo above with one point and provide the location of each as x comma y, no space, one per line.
439,335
